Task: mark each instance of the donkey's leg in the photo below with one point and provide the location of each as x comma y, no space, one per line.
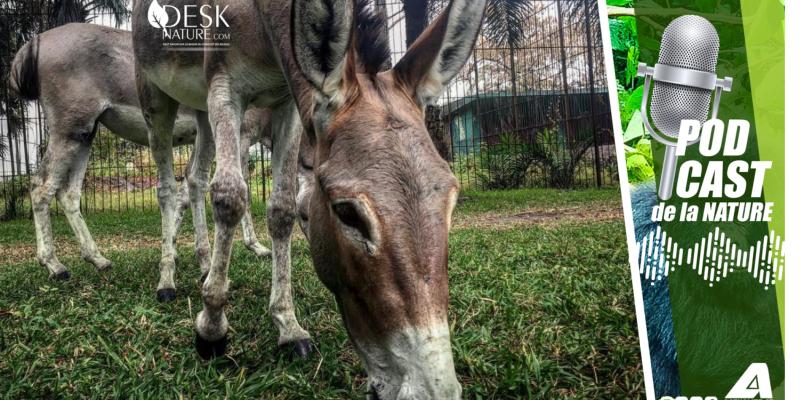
69,197
159,112
183,197
281,214
52,174
197,184
248,229
229,199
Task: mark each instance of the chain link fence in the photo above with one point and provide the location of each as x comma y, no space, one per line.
530,109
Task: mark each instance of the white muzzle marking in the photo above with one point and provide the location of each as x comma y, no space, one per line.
416,363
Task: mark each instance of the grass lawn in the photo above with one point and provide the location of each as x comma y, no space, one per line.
540,308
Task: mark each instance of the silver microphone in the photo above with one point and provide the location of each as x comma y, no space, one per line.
684,76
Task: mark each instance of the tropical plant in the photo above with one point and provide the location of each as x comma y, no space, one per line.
505,27
559,156
625,50
639,161
13,193
586,10
506,163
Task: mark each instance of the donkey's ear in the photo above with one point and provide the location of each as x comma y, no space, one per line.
320,39
439,53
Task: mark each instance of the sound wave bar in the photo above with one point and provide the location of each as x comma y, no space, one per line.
713,258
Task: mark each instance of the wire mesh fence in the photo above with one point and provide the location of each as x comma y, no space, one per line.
530,109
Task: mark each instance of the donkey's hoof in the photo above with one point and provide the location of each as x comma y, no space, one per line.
300,348
105,266
61,276
259,249
210,349
166,295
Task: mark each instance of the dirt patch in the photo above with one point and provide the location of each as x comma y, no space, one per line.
547,217
67,246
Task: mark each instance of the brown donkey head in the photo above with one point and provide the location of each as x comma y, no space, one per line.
381,197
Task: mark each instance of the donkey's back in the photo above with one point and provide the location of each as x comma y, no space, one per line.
84,74
254,35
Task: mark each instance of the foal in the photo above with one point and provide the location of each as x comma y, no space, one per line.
84,75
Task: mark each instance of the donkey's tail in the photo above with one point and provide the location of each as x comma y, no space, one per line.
24,76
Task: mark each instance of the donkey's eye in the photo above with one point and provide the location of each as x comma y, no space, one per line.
349,215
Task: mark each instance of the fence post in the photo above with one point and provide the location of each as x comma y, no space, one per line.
590,52
476,120
565,96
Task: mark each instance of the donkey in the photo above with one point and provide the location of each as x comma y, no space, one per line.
381,197
84,75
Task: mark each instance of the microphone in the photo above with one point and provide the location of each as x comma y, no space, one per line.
684,76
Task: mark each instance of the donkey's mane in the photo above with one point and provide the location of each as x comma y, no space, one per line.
371,40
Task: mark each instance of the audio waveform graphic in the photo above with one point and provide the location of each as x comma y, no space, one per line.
712,258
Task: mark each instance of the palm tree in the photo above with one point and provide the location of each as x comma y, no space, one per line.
66,11
416,12
505,27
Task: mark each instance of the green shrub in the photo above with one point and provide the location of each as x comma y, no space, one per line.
639,160
506,163
13,193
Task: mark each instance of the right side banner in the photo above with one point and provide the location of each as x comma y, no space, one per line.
700,87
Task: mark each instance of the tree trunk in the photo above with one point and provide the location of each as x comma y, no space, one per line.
515,113
380,7
439,133
416,19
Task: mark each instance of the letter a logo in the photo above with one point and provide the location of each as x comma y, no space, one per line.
753,383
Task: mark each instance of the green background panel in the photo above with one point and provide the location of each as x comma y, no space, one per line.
720,330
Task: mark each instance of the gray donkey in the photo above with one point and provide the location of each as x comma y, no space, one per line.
84,75
381,197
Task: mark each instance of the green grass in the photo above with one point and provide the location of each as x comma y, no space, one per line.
510,201
535,313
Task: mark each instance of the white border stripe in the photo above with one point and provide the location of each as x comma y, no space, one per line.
626,201
792,300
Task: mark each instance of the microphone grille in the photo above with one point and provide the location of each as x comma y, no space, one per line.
673,103
690,42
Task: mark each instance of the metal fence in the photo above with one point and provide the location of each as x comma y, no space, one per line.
530,112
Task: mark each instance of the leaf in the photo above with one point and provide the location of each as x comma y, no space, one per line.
635,128
631,65
646,149
632,103
638,168
623,33
639,162
157,15
506,21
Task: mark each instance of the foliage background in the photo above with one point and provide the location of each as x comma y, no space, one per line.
625,50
